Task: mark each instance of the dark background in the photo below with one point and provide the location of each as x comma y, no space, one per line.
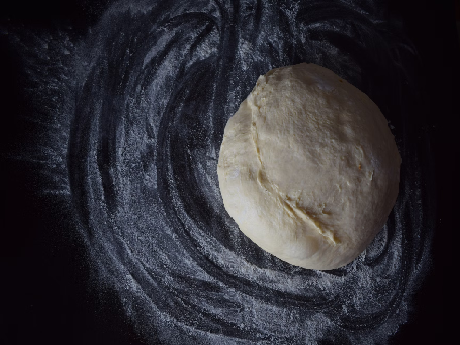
43,284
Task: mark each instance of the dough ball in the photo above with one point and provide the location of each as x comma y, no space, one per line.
308,167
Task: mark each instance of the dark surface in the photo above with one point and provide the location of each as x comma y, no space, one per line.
431,26
43,295
43,292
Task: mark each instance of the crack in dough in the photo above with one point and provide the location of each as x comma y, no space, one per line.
290,206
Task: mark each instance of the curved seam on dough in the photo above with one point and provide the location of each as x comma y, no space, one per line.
292,210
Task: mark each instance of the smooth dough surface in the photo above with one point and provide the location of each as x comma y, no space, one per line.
308,167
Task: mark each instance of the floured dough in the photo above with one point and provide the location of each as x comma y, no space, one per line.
308,167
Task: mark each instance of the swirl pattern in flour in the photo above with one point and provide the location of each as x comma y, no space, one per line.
152,88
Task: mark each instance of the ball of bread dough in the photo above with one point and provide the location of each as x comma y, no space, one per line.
308,167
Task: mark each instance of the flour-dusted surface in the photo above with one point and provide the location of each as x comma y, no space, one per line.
134,115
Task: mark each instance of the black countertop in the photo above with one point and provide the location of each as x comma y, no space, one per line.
59,285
